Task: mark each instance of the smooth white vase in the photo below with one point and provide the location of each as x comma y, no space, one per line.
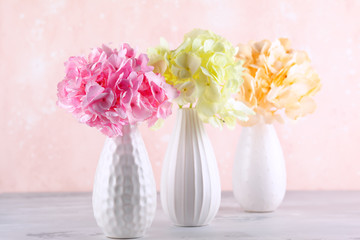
124,196
190,182
259,174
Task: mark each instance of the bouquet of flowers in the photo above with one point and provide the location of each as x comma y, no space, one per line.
206,73
278,81
112,88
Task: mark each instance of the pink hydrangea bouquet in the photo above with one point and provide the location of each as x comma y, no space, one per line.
112,88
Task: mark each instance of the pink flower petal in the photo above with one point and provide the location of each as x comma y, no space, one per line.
113,88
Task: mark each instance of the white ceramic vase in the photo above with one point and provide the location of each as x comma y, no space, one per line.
190,183
259,174
124,196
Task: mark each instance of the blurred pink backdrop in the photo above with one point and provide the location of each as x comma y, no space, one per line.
43,148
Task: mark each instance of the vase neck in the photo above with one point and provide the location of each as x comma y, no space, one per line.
188,115
260,123
128,129
260,129
128,132
189,123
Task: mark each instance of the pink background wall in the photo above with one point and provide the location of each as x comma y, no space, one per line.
43,148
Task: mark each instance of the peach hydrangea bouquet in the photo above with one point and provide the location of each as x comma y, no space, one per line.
205,72
112,88
278,81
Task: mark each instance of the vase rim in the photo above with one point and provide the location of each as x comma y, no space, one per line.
187,109
130,125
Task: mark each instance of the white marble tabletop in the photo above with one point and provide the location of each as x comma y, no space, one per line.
303,215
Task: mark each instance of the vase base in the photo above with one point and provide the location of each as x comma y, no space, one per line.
259,211
191,226
133,237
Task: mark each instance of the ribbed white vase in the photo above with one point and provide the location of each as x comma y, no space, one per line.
190,183
259,174
124,196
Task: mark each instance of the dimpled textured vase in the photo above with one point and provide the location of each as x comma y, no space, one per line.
124,196
259,174
190,183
